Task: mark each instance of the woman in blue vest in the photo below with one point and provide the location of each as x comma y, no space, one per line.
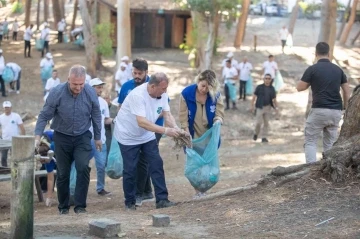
201,105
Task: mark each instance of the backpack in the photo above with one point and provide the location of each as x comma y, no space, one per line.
8,74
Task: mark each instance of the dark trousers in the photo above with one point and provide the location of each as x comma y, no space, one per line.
27,47
227,96
70,148
46,47
60,37
130,154
4,156
12,84
2,84
242,89
14,36
108,135
143,181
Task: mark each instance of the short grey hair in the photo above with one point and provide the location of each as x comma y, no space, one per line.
77,71
157,78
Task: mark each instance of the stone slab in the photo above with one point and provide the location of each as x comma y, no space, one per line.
161,220
104,228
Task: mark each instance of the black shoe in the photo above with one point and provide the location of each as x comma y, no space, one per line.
80,210
138,201
147,196
255,137
64,211
4,95
71,200
164,204
104,193
264,140
227,108
130,207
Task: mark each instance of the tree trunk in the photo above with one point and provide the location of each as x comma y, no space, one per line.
199,38
76,3
56,12
351,21
356,37
344,156
293,17
241,26
27,12
123,46
332,23
90,39
38,15
46,10
343,20
217,20
62,8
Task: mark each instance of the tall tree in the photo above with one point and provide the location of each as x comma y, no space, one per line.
350,23
62,8
46,10
241,26
343,20
57,11
328,23
90,39
76,3
27,12
123,30
293,17
38,14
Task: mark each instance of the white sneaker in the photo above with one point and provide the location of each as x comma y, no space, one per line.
48,202
17,92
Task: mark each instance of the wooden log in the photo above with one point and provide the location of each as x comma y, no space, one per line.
22,180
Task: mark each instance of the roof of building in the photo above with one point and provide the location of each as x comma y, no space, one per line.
148,5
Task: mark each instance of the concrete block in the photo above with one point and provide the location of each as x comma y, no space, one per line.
161,220
104,228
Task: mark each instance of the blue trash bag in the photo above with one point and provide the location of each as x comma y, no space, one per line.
46,72
8,74
232,91
114,167
279,82
72,179
79,41
39,44
66,39
202,161
249,86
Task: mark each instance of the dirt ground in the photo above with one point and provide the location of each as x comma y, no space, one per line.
290,211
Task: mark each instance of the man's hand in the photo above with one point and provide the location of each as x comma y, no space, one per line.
37,141
98,145
172,132
217,122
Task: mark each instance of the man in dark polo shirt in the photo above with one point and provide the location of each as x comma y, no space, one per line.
325,80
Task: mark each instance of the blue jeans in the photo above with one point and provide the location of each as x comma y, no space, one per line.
150,151
43,81
100,163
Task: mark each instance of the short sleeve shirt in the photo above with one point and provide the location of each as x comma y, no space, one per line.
10,125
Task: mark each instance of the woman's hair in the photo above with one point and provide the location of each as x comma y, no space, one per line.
210,77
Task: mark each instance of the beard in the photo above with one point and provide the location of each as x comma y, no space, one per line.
139,81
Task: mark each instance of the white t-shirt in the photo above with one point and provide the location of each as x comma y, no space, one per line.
121,77
234,63
61,26
129,71
28,34
51,83
104,109
138,103
10,125
270,68
15,26
45,34
15,68
283,34
245,69
2,64
229,73
46,63
87,79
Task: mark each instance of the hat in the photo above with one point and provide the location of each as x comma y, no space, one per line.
6,104
123,64
230,54
125,58
0,50
48,55
96,81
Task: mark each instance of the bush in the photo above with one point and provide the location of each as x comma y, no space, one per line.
103,32
17,7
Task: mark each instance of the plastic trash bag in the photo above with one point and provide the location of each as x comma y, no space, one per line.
73,175
114,167
8,74
279,82
39,44
79,41
232,91
249,86
202,161
46,72
66,39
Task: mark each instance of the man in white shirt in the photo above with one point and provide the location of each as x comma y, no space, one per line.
134,130
27,38
101,156
230,75
270,67
51,83
121,77
46,68
45,35
15,29
126,60
10,124
283,36
61,28
2,67
245,68
16,69
234,63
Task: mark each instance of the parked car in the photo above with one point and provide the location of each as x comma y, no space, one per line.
255,9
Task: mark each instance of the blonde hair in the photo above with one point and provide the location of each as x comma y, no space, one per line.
210,77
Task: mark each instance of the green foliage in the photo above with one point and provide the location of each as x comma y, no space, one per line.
103,32
3,3
17,7
208,6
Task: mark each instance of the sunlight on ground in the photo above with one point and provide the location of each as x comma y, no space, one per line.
256,21
300,99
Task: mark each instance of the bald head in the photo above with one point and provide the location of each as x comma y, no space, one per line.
157,78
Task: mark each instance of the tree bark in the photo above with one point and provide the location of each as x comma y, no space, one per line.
355,38
123,46
90,39
27,12
76,3
46,10
57,12
351,21
293,17
332,23
343,20
200,28
344,156
38,15
62,8
241,26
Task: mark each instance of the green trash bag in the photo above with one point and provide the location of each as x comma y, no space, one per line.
202,161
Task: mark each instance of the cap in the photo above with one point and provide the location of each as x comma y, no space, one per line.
96,81
125,58
230,54
6,104
123,64
0,50
48,55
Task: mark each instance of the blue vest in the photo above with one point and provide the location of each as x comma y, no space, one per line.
189,94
